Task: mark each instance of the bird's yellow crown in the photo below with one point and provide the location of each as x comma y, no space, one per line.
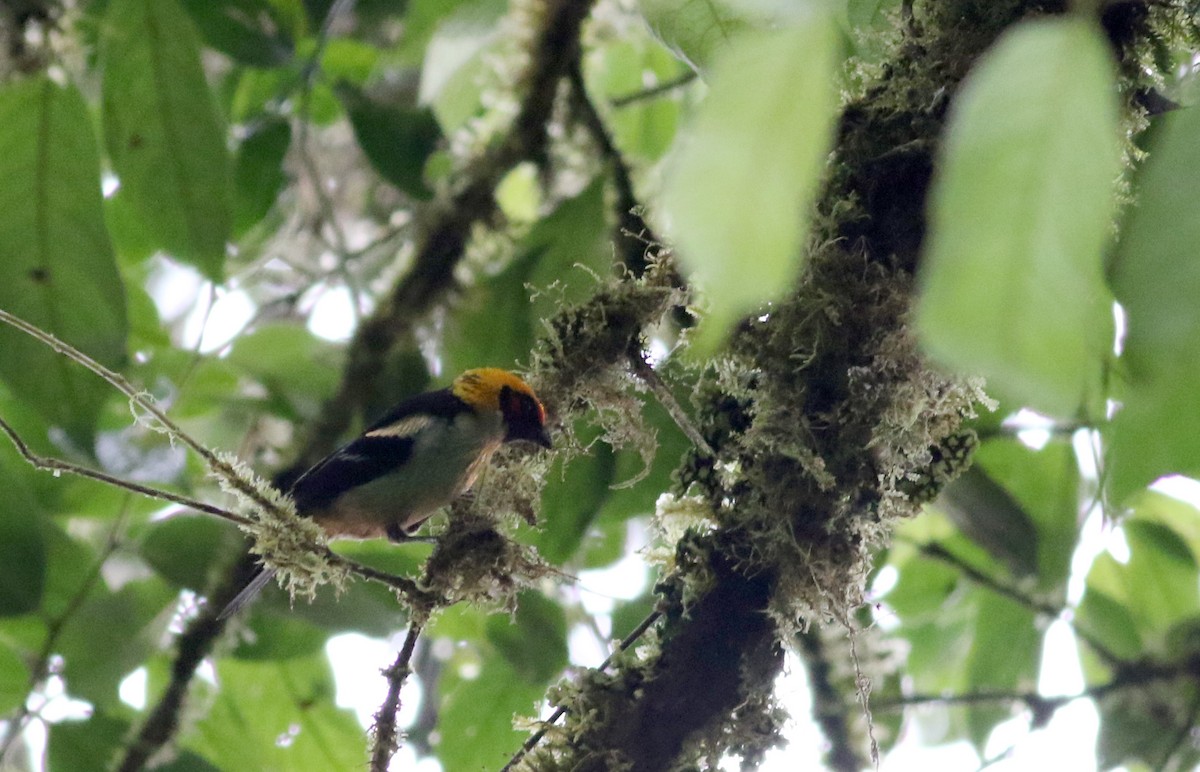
481,387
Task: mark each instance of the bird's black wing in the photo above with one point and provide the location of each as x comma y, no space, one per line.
384,446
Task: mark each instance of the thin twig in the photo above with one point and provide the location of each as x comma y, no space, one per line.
54,465
401,584
561,710
215,464
387,740
662,392
937,551
1130,676
653,91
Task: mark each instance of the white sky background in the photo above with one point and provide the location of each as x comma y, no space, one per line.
1067,743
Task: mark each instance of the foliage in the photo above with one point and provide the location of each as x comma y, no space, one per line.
790,278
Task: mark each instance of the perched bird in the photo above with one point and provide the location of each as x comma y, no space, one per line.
422,455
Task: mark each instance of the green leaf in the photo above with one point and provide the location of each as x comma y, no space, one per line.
534,641
57,268
163,133
278,715
22,542
989,516
1045,484
1145,725
14,680
1021,210
396,140
642,129
270,353
282,636
1004,656
475,719
349,60
110,634
78,744
496,323
574,494
72,570
258,172
190,550
767,145
1156,278
1163,582
1158,586
694,30
1109,622
247,30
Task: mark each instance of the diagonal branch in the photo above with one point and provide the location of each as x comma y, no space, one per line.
386,738
48,464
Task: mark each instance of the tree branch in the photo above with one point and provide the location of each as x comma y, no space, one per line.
385,735
54,465
561,710
654,91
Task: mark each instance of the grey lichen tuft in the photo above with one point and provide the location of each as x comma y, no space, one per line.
293,546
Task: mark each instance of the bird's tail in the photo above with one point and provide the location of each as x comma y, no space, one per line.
257,582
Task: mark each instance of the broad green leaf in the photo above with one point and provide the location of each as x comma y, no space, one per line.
72,572
278,716
108,636
269,355
246,30
694,30
163,133
14,680
57,268
1158,586
534,640
988,515
348,60
1045,484
396,140
1021,210
558,260
190,551
454,70
79,744
258,172
282,636
1108,621
22,543
642,129
476,715
574,493
1162,579
1156,277
425,18
1004,657
743,239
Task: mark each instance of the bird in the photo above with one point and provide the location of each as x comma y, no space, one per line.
420,456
